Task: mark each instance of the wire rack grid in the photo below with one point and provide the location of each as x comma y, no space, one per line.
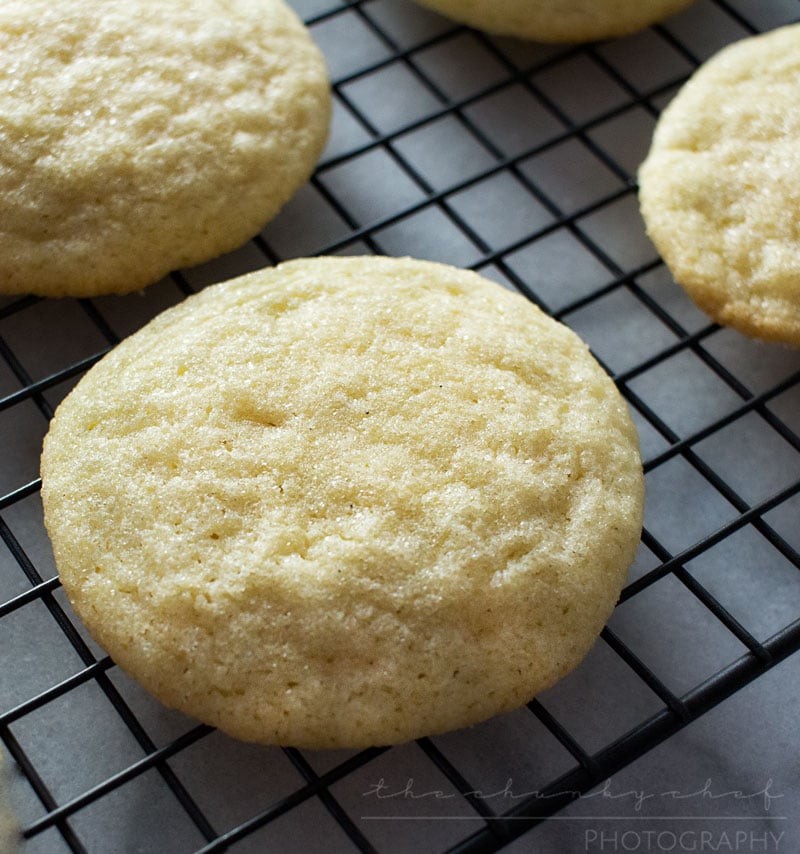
517,160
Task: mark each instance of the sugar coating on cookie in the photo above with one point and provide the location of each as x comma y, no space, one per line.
558,20
720,187
143,136
345,501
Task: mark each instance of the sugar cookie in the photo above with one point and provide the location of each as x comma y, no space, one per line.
143,136
558,20
345,501
9,830
720,188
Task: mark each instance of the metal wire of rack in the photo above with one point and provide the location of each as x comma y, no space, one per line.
517,160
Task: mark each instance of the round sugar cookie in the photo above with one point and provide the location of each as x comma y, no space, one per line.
558,20
720,187
345,501
143,136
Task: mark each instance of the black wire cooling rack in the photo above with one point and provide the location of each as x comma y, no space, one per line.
517,160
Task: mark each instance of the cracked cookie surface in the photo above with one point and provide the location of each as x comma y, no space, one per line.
720,187
139,137
345,501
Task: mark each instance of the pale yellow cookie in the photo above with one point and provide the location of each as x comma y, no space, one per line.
143,136
345,501
558,20
720,188
9,829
